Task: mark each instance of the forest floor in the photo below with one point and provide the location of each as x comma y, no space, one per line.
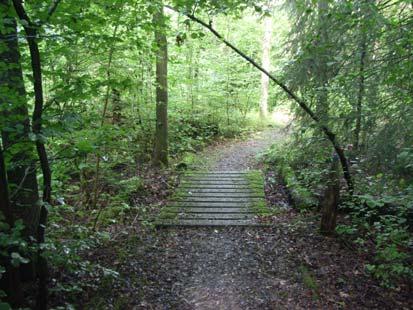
286,266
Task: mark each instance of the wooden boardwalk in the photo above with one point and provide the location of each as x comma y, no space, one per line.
225,198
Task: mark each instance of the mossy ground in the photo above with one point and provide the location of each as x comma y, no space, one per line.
256,182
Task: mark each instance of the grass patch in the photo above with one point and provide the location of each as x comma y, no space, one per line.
167,214
309,280
255,180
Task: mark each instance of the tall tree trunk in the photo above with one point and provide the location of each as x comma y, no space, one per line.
360,95
19,149
116,107
31,36
361,78
266,63
160,154
10,280
322,74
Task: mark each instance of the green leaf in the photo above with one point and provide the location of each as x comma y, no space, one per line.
5,306
17,259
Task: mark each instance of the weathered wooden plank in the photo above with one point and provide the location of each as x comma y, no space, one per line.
217,183
227,205
216,172
213,204
218,199
206,186
217,190
224,195
181,222
207,210
209,216
195,180
216,176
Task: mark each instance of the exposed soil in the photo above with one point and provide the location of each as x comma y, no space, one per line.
287,266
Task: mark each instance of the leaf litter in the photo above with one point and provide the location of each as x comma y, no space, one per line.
286,266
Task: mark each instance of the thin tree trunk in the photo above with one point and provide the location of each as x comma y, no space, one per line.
330,200
116,107
160,154
360,96
361,88
322,107
266,63
31,37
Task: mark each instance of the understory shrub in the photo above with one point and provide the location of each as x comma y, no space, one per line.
378,219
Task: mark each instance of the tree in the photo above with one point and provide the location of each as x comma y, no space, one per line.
330,200
31,31
160,153
324,128
266,65
10,280
363,19
15,129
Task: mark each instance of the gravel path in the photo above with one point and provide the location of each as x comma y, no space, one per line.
285,267
242,155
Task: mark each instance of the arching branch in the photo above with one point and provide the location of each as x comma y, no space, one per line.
303,105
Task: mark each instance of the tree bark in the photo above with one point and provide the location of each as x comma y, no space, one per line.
322,57
160,154
330,200
361,81
266,64
360,95
116,107
10,281
31,36
15,127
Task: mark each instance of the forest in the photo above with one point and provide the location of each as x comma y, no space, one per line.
204,154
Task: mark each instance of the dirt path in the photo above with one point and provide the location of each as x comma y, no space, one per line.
221,268
287,266
237,155
242,155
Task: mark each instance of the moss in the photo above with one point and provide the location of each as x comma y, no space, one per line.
260,208
256,184
180,192
302,197
256,181
167,214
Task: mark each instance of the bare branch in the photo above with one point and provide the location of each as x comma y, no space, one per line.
51,10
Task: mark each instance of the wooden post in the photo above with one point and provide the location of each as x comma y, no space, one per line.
330,200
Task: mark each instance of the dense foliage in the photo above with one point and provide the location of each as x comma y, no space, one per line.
89,100
353,62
